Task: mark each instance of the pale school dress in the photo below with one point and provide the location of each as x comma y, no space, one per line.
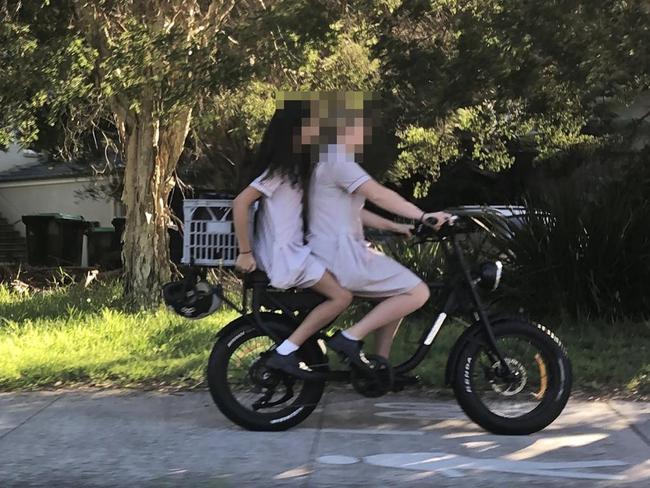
336,232
278,245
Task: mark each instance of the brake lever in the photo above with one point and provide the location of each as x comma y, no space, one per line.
430,224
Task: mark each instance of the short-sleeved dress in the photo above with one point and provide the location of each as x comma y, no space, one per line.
278,245
336,231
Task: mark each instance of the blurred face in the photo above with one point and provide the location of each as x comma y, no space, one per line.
310,131
353,135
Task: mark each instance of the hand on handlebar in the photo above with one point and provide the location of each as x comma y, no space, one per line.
440,219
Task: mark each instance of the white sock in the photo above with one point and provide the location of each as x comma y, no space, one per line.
347,335
286,348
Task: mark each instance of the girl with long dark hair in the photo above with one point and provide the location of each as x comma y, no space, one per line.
285,163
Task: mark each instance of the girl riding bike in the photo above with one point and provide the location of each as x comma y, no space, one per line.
279,247
509,374
338,190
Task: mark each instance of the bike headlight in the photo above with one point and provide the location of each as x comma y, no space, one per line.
490,275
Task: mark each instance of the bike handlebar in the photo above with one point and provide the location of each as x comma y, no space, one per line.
431,221
427,227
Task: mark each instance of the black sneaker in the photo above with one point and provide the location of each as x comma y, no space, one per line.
350,350
291,364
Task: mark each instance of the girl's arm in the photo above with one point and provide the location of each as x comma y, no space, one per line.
240,212
394,202
378,222
374,221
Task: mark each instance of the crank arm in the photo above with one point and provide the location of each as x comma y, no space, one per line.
264,401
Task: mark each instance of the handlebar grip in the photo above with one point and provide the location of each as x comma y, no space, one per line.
432,221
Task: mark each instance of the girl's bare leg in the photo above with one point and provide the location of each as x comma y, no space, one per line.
384,338
338,299
390,310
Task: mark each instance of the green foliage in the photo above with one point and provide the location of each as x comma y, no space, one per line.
75,66
348,63
461,79
290,45
169,63
583,250
425,258
45,75
245,113
481,78
418,144
75,335
468,80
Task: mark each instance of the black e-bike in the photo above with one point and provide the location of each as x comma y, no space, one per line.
510,375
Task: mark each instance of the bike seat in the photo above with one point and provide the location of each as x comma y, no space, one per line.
269,297
257,277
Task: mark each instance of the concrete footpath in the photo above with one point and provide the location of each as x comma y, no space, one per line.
126,438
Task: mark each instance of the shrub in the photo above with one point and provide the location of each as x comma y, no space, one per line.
585,254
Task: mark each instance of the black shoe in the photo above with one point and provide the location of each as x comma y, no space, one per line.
292,365
351,350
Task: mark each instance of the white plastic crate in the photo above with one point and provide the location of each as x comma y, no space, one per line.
208,234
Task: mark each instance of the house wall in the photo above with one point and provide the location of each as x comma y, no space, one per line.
49,196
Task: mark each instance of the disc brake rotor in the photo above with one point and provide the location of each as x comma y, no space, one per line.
514,383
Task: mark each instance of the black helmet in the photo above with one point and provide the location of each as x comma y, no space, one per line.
192,300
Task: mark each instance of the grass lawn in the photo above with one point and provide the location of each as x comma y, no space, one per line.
78,335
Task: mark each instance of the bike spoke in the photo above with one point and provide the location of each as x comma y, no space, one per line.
243,385
518,393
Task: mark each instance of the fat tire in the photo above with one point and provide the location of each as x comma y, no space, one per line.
559,389
237,332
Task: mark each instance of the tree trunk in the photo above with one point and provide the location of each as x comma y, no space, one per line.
152,152
151,143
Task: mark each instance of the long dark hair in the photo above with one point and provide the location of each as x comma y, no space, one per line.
281,150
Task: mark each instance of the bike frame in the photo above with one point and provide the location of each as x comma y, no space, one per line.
457,287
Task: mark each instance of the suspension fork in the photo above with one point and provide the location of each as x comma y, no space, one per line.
480,309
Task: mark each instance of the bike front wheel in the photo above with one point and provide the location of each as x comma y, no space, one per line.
526,397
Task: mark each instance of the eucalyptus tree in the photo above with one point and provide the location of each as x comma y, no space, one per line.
145,65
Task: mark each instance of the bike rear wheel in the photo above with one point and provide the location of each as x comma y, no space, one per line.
251,395
530,396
